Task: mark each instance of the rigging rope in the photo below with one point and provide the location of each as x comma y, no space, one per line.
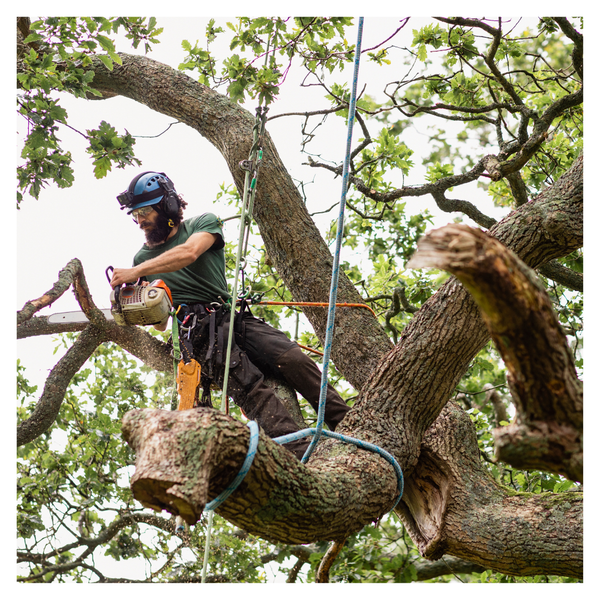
252,165
338,246
317,432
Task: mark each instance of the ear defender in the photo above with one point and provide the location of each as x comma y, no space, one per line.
170,199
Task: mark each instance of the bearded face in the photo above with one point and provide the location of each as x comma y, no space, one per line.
156,232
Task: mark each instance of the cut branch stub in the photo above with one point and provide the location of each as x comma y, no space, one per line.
176,459
541,370
186,458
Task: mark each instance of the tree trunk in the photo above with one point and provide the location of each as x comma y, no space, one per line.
451,505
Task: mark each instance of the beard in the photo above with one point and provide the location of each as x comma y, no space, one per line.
157,232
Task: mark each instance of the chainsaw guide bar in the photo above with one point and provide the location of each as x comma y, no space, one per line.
76,316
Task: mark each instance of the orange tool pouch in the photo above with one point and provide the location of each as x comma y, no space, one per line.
188,380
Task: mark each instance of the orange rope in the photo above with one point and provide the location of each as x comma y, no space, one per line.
318,304
310,349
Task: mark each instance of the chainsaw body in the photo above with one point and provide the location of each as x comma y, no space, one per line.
141,304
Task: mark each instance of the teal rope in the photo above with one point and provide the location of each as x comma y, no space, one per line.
291,437
243,470
317,432
252,445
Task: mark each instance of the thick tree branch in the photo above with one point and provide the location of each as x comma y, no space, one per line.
577,39
56,385
186,458
562,275
541,370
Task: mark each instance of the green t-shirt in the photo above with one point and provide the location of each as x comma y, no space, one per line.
203,280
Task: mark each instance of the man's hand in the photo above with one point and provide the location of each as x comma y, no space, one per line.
121,276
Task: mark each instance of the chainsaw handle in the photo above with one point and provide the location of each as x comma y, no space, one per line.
112,270
109,277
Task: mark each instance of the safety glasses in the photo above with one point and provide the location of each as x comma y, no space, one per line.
141,212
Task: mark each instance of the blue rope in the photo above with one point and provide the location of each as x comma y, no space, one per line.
297,435
243,470
336,262
318,431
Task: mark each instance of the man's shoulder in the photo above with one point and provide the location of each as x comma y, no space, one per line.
204,220
208,222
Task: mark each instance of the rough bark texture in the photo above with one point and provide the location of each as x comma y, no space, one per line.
541,370
186,458
451,505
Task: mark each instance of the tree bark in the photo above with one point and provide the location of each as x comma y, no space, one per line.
451,505
186,458
541,370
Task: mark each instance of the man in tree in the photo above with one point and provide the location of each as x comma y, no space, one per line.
189,257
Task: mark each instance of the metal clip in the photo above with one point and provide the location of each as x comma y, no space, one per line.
192,326
246,165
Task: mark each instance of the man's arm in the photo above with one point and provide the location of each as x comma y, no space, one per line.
171,260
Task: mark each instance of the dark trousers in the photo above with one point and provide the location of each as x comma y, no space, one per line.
260,349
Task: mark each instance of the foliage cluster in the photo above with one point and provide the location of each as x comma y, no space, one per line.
60,59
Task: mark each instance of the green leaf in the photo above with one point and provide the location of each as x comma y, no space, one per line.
106,61
106,43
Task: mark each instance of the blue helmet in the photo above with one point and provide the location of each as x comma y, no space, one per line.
146,189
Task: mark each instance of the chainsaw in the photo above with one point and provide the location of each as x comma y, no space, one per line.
150,304
140,304
131,304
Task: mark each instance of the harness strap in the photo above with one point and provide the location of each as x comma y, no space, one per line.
212,324
220,345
